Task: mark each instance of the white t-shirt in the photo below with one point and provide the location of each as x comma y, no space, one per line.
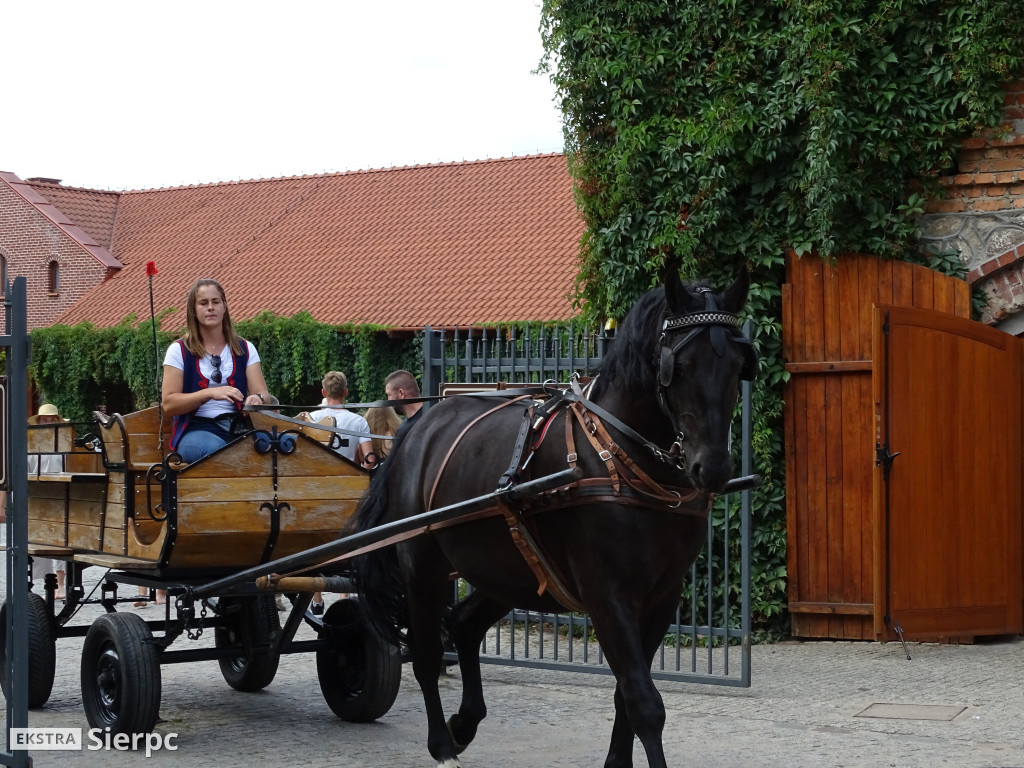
345,419
53,464
211,409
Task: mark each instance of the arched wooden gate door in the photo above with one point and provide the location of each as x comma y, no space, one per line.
947,481
844,559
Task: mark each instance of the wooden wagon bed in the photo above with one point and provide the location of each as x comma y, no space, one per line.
257,499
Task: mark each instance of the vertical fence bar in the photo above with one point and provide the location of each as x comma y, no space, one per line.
16,340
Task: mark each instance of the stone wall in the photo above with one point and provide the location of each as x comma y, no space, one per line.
982,215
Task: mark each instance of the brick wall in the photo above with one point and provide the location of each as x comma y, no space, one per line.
982,214
29,242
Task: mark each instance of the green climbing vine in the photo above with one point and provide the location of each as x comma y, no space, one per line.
728,131
81,367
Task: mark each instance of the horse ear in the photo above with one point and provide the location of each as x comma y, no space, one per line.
676,296
735,296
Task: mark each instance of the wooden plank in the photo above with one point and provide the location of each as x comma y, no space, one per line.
82,463
962,299
832,459
924,286
259,489
310,459
116,562
112,436
902,285
55,509
50,438
114,541
47,532
48,550
943,292
84,537
86,512
846,609
229,517
242,550
832,366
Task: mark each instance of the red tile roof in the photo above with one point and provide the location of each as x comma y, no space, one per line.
90,243
93,210
448,244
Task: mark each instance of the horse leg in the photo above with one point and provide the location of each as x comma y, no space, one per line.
426,583
472,618
630,646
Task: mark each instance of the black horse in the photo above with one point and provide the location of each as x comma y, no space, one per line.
651,437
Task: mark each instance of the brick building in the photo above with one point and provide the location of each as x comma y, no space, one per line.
982,215
59,258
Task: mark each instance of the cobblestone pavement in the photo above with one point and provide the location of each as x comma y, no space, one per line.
800,711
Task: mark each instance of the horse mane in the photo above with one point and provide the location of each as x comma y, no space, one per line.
377,573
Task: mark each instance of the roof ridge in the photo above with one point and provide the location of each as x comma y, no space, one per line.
332,174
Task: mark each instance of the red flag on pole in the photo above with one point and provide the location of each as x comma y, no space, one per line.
151,268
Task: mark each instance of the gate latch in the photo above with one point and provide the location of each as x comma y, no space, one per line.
884,459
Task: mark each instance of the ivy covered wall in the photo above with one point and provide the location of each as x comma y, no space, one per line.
80,367
729,131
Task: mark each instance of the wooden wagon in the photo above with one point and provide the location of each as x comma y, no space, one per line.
124,503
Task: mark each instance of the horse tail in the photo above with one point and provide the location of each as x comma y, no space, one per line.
377,573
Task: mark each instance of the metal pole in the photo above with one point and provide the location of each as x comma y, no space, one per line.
18,344
746,465
357,540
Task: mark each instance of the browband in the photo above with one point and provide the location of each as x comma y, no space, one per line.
710,317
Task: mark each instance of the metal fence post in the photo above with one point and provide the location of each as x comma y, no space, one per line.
17,343
433,363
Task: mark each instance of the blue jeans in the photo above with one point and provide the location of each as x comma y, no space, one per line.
201,440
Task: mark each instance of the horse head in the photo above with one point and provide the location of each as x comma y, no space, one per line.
700,359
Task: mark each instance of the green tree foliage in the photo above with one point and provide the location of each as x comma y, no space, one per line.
724,131
79,367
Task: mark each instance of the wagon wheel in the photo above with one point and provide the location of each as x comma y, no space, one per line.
42,651
360,675
121,674
250,621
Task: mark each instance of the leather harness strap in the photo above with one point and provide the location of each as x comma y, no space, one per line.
548,578
626,484
457,440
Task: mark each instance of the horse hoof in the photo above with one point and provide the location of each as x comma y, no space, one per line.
459,748
452,763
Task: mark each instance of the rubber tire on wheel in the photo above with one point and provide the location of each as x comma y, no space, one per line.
42,651
257,616
360,676
121,674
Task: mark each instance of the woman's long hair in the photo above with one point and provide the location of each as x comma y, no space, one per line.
193,335
382,421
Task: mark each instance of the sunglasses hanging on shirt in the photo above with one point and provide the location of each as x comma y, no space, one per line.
215,377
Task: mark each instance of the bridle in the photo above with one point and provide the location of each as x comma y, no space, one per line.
723,326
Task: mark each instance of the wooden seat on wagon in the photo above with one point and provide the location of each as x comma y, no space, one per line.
269,493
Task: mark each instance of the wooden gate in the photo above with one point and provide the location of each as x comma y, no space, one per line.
829,429
947,517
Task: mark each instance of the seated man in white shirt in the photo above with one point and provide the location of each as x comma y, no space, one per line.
335,390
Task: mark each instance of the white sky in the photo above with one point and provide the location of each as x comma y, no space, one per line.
136,94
